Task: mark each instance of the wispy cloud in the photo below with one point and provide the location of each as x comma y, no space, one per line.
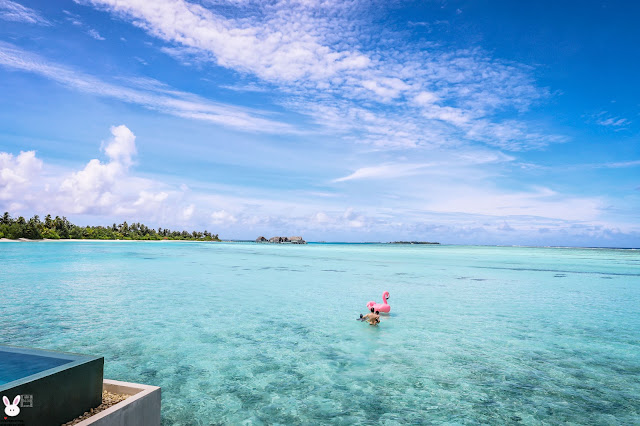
412,137
621,164
453,161
12,11
606,119
333,64
95,34
614,121
73,18
163,99
428,26
250,87
111,188
76,20
385,171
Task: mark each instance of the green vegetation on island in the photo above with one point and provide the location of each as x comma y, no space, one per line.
60,228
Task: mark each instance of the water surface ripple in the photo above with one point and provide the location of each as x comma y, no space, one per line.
263,334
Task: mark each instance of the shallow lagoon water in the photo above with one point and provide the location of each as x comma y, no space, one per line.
242,333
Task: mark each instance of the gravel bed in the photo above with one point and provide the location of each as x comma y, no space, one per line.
108,399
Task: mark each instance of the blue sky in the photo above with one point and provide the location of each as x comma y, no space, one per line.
482,122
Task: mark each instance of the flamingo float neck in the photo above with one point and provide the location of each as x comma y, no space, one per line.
382,307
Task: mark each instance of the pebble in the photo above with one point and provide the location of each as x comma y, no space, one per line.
108,399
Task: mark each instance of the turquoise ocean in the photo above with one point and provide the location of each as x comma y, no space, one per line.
245,333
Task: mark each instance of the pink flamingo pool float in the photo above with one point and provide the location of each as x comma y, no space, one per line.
381,307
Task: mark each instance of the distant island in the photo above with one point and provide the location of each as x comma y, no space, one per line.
61,229
413,242
281,240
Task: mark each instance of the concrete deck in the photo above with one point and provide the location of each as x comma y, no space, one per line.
142,408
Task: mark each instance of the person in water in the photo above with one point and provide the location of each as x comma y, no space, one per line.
368,316
373,317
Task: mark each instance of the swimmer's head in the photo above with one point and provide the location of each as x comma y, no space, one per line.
372,310
377,312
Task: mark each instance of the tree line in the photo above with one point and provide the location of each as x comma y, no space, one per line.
60,228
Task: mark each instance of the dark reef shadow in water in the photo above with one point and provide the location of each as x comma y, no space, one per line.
560,271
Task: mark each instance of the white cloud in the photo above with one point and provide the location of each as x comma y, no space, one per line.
149,198
250,87
387,88
608,165
122,147
452,210
187,212
289,55
510,135
353,219
622,164
95,34
505,227
425,98
385,171
16,173
605,119
320,217
12,11
222,217
161,99
331,60
614,121
538,202
451,115
454,160
101,186
92,187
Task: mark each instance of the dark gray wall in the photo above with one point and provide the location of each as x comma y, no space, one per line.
61,397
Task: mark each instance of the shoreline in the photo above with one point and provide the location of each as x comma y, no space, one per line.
25,240
49,240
